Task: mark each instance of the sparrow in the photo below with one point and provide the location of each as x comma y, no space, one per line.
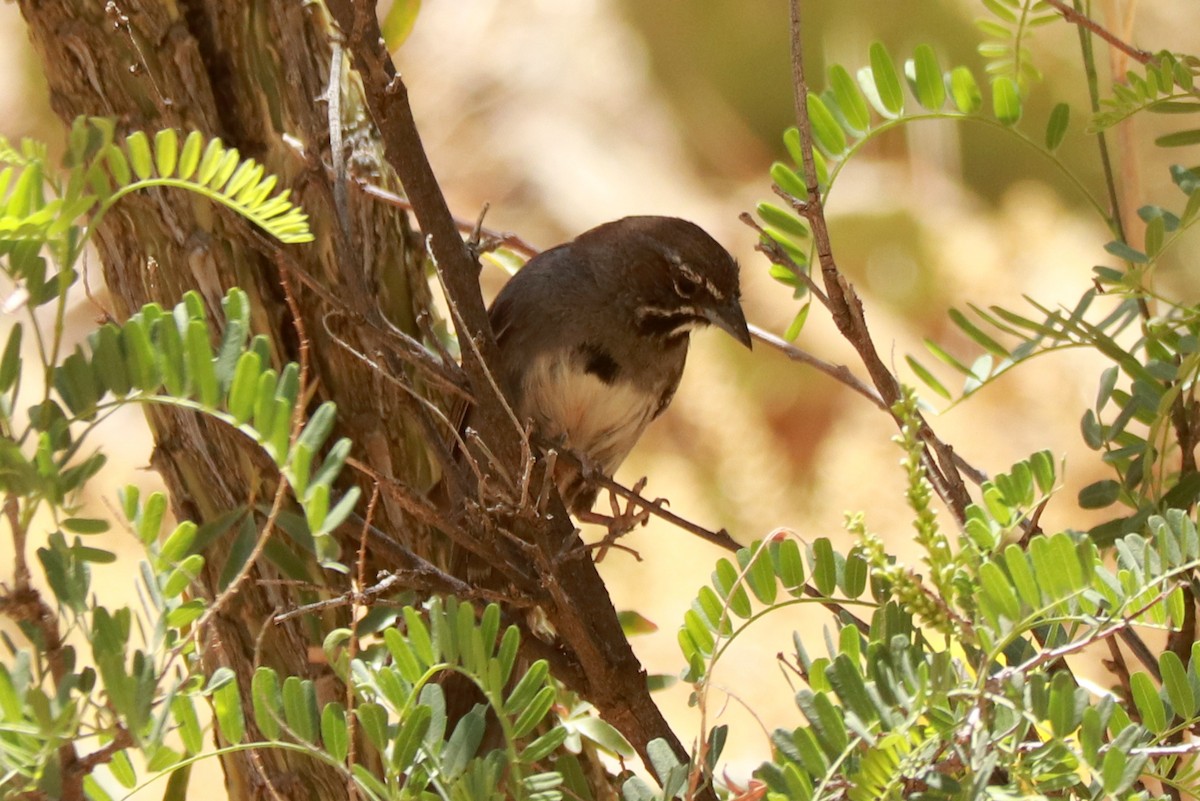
593,336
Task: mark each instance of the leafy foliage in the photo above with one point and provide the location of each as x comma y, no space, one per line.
1165,86
1008,27
139,691
854,110
1000,710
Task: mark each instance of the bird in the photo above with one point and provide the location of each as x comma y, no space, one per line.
593,336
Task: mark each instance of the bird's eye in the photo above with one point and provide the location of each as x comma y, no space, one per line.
686,282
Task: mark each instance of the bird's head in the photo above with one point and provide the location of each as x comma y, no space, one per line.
673,276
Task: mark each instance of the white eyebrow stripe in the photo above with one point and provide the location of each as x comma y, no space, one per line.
656,311
697,278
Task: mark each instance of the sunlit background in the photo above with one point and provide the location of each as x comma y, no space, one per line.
564,115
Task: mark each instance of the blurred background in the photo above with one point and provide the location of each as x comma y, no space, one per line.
565,115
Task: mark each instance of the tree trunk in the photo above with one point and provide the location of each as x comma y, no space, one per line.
253,73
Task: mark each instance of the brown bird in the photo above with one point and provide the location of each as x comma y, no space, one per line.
593,335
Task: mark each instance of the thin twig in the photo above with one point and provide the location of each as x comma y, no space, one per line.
720,538
505,238
838,372
846,308
1087,23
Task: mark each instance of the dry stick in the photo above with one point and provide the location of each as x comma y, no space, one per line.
719,538
507,239
352,646
845,306
840,372
1084,21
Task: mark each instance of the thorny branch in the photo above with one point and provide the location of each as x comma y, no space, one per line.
1086,22
845,306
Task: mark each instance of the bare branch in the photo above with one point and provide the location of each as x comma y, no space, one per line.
1087,23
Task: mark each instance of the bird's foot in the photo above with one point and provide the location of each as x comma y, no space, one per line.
620,522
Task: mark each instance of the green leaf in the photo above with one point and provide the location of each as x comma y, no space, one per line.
725,580
760,574
149,522
1056,127
178,544
789,566
85,525
334,734
927,377
230,160
118,165
166,152
200,364
1148,702
975,333
797,324
788,180
965,91
532,715
211,161
1093,435
854,574
340,511
1155,233
243,391
109,360
10,362
927,78
527,688
1019,569
1099,494
182,576
140,356
1175,682
189,157
268,702
849,99
634,623
699,634
544,745
411,734
824,567
398,23
373,718
1002,10
785,221
227,708
604,735
885,81
183,710
300,708
1006,100
463,743
998,591
1179,139
1123,251
318,426
138,147
826,130
1042,466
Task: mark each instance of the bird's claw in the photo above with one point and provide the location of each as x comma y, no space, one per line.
621,521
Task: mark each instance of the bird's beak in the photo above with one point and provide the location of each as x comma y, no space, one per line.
730,319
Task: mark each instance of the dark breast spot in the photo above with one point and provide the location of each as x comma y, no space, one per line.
599,362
